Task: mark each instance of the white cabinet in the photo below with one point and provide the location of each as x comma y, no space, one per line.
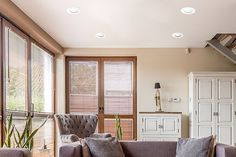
212,105
161,126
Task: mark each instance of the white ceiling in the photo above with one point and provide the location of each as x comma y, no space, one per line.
132,23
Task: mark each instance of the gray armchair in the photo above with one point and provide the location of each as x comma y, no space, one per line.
73,127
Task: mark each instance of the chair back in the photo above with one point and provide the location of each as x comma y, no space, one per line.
80,125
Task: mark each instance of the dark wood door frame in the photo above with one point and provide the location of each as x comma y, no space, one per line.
101,60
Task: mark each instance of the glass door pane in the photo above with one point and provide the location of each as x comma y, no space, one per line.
42,79
83,87
16,71
118,87
118,96
126,124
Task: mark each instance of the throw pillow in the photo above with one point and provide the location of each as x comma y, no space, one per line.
105,147
85,149
190,147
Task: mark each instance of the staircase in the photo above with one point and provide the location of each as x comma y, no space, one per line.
225,44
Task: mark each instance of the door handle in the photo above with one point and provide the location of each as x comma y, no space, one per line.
161,127
216,114
234,112
101,108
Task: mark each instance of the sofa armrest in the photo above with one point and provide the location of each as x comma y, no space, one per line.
69,138
16,152
100,135
223,150
71,150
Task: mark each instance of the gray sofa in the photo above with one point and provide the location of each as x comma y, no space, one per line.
145,149
14,152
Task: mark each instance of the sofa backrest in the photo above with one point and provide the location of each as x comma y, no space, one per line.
14,152
149,149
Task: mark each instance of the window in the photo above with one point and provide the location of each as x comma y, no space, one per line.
16,70
105,86
28,85
42,79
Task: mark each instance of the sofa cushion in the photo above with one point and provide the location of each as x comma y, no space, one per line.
193,147
105,147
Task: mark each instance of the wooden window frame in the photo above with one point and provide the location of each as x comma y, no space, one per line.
101,60
4,22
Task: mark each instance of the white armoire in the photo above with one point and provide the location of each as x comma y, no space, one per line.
212,105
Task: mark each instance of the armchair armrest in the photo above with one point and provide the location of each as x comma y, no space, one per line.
69,138
100,135
16,152
223,150
71,150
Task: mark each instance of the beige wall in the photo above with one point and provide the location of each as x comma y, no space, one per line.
170,67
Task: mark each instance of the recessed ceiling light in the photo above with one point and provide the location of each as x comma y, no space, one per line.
100,35
188,10
177,35
73,10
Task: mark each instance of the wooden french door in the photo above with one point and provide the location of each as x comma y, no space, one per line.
105,86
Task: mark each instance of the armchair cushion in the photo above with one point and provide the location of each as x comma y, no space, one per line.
100,135
71,150
69,138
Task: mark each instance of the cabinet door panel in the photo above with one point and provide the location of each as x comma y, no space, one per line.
225,134
204,131
170,125
205,112
152,125
225,112
205,88
225,88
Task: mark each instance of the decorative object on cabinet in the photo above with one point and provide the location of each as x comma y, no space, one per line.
160,126
212,105
158,97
